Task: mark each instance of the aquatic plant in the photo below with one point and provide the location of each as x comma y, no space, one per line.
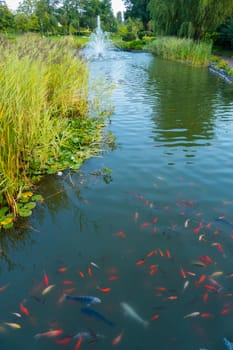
44,125
196,53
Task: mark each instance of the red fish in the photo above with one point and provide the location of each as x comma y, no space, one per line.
145,224
205,297
79,342
113,278
153,269
183,273
46,279
64,341
89,271
213,289
81,274
24,309
120,234
67,282
168,253
206,315
4,287
154,317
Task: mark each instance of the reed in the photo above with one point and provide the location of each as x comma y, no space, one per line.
43,90
182,49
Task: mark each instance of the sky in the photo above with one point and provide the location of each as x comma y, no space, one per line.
117,5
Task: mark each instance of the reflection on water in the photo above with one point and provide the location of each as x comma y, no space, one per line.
184,112
154,244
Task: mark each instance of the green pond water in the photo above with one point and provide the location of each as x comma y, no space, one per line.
155,234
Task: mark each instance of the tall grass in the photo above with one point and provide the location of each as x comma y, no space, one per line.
43,85
172,48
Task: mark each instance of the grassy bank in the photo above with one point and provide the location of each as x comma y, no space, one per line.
185,50
44,123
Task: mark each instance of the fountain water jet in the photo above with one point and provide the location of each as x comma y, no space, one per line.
99,43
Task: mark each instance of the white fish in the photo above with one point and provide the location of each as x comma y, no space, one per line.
186,223
186,283
129,311
193,314
47,289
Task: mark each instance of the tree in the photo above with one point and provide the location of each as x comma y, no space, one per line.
6,18
189,18
138,9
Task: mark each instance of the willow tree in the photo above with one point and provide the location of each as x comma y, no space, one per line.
189,18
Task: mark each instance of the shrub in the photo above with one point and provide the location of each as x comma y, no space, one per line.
130,36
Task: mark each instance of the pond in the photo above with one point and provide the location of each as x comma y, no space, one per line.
153,240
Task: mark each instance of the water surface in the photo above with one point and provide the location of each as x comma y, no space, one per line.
159,228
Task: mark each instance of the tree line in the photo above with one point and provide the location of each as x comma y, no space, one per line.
56,16
196,19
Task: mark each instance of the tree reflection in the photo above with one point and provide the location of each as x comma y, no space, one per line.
184,111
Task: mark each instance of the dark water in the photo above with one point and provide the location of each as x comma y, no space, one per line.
159,228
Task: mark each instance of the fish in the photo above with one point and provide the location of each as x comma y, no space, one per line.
46,279
85,299
117,339
24,310
104,290
193,314
47,289
228,344
129,311
223,220
79,342
13,325
50,334
94,314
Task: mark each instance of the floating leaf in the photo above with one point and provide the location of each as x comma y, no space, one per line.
25,212
37,197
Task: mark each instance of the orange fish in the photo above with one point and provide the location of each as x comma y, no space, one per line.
162,289
153,269
67,282
24,309
81,274
183,273
104,290
145,224
46,279
89,271
117,339
64,341
140,262
201,279
62,269
172,297
150,253
79,342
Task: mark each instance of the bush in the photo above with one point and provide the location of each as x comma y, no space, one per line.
145,33
130,36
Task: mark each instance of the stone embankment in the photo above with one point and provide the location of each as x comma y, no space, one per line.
222,72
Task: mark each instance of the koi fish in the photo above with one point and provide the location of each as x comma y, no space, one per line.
46,279
94,314
222,220
129,311
50,334
4,287
79,342
24,309
117,339
86,299
193,314
154,317
104,290
13,325
47,289
228,344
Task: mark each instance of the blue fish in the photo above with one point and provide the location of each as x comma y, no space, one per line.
94,314
228,344
86,299
224,221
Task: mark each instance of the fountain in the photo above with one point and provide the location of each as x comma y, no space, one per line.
99,43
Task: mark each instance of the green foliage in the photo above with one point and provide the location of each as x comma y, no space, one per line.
195,53
189,18
129,36
44,125
226,33
138,9
6,19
